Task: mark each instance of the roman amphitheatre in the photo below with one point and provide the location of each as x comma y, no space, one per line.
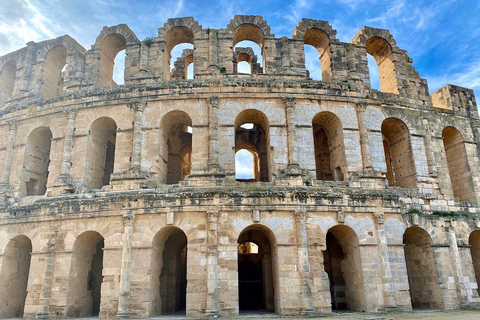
124,200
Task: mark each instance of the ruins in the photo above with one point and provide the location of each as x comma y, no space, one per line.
124,200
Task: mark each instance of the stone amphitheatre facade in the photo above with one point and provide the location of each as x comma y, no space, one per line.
122,201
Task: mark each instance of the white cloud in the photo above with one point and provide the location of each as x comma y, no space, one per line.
243,164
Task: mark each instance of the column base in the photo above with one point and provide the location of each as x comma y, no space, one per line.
133,179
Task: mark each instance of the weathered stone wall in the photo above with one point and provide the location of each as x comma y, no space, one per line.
365,200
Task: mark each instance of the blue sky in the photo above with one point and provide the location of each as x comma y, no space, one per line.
442,37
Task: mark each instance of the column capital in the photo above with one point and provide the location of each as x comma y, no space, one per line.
212,215
128,219
289,101
12,124
362,105
71,113
300,214
213,101
379,217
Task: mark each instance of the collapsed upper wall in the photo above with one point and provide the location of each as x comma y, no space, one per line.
51,68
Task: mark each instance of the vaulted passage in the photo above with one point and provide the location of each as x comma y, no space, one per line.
14,277
248,37
52,78
458,167
7,80
169,272
421,268
401,170
474,242
381,51
86,276
111,46
36,161
319,40
251,134
343,265
176,146
330,161
177,40
255,271
100,152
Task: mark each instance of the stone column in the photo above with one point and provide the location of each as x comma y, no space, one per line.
290,103
212,260
44,301
303,261
137,136
389,300
213,131
27,73
366,161
431,162
457,265
7,168
68,144
124,296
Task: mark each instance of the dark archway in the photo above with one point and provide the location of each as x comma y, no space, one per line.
256,285
169,272
36,161
86,276
421,269
343,264
14,277
474,242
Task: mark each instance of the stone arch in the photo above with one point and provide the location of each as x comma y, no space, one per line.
474,242
329,147
251,28
176,146
255,140
111,46
86,276
7,80
100,158
421,269
108,44
457,163
14,276
36,162
246,54
257,276
180,70
169,271
343,264
399,159
176,31
52,78
380,44
318,34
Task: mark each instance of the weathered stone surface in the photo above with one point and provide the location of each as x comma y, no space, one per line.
122,201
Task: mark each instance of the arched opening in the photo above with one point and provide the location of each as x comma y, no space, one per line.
119,68
250,36
52,80
342,263
318,63
86,276
381,51
36,161
246,165
474,242
256,260
176,146
7,80
169,272
244,66
177,40
330,160
458,167
14,277
111,46
182,67
252,134
100,152
373,72
421,269
401,170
